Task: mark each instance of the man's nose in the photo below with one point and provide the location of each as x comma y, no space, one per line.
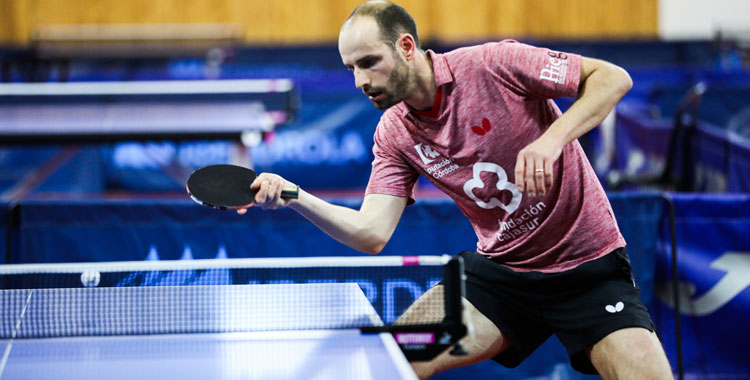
360,79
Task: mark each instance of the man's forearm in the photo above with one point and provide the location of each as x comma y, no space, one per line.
366,230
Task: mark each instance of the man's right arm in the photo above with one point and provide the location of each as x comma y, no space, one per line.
367,229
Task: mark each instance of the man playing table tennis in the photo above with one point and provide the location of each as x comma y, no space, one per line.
480,124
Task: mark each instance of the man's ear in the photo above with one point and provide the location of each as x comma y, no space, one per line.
406,45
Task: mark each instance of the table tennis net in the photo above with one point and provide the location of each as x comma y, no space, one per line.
211,296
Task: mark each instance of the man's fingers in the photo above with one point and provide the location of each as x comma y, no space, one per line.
268,188
539,177
274,191
269,194
256,184
534,167
531,187
262,194
519,172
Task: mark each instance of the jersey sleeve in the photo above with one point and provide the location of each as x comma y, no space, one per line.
391,174
534,71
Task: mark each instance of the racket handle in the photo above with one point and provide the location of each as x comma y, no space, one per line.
290,192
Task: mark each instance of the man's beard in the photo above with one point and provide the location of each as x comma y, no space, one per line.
396,88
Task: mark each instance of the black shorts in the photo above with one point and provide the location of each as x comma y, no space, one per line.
581,306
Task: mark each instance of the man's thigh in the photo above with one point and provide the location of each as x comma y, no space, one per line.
630,353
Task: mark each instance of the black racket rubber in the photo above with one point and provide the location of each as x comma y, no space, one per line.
226,187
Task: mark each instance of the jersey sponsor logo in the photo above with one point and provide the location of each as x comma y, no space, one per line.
442,168
556,68
521,223
502,185
429,156
426,153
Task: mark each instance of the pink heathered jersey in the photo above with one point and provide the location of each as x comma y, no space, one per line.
496,99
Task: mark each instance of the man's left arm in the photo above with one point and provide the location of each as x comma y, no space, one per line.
601,86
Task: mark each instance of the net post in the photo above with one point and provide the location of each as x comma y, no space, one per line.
426,341
454,291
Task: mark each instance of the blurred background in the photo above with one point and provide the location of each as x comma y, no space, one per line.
107,106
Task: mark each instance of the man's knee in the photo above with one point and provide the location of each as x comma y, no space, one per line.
630,353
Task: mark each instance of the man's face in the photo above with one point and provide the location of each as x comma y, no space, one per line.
379,71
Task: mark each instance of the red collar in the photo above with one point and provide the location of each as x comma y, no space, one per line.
435,110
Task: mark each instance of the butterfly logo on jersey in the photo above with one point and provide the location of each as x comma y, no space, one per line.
426,153
481,131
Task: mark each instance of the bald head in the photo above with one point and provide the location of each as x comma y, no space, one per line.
391,19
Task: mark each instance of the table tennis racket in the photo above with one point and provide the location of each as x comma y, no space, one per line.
226,187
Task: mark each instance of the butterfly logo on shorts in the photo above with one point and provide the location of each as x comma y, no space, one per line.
615,309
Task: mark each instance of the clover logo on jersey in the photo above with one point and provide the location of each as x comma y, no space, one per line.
502,184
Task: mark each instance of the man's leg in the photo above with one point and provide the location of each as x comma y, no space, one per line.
483,341
631,353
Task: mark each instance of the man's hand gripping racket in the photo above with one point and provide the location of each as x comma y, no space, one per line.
228,187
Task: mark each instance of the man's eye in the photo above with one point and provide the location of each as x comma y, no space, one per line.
369,63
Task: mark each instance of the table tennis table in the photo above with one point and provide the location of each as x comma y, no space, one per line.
269,331
85,112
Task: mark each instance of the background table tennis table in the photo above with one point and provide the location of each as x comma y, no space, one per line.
177,110
272,331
